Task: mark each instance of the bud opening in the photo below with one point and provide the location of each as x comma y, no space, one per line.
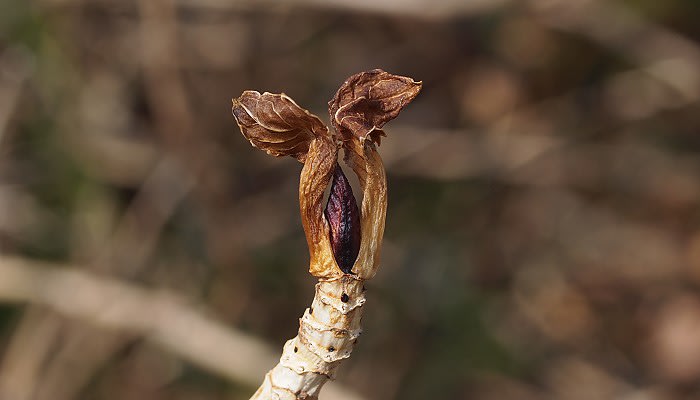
343,218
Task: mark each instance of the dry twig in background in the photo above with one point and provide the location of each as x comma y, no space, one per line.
158,316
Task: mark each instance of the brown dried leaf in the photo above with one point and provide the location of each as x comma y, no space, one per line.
276,124
368,100
360,108
315,176
362,105
365,161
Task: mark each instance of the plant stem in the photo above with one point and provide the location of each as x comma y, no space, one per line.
328,331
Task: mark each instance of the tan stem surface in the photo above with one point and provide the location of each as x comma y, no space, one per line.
327,334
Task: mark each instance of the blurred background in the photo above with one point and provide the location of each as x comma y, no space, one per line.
542,239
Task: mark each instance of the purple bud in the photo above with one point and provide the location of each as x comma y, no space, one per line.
343,216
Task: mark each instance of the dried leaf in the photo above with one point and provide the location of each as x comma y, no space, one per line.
362,105
360,108
368,100
276,124
365,161
315,177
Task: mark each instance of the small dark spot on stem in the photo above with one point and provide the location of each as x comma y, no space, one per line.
344,298
296,349
331,349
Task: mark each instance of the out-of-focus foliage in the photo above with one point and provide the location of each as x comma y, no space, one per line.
542,239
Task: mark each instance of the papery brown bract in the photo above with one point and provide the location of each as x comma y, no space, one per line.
365,161
315,177
359,109
368,100
363,104
276,124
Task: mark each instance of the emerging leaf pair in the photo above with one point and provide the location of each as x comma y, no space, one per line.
341,240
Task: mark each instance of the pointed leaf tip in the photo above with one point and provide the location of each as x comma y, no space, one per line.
368,100
276,124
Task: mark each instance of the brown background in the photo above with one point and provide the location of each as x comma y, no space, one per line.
542,239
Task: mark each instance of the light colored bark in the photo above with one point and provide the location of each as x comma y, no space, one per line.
327,334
